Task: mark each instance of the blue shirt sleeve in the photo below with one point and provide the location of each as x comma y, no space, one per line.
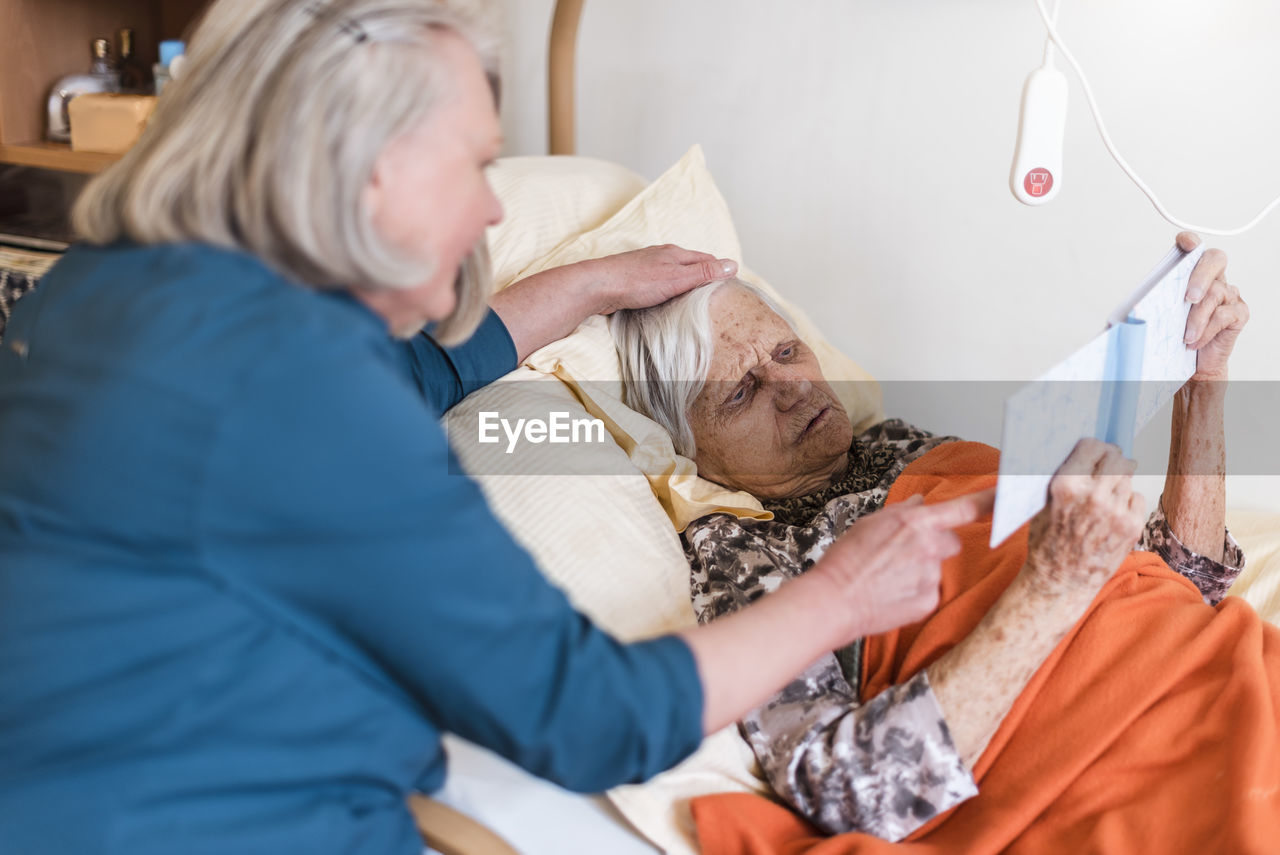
334,493
446,375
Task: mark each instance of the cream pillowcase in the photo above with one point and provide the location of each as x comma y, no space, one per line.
549,200
1258,534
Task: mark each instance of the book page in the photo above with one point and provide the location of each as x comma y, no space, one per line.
1167,362
1043,421
1083,395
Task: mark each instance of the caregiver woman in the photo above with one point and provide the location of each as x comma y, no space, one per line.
241,595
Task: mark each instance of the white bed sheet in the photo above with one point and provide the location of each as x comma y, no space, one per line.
534,816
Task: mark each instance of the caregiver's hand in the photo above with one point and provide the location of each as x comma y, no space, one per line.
549,305
881,573
1218,315
653,275
1092,521
888,565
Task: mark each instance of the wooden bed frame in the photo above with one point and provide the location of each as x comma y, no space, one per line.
452,833
561,85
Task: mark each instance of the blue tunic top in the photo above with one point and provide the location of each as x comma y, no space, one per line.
242,591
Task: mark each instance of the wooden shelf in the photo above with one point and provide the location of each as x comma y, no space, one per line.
50,155
43,40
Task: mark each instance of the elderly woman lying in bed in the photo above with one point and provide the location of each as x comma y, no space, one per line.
760,417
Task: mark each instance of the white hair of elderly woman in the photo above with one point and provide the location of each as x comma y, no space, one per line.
267,143
666,352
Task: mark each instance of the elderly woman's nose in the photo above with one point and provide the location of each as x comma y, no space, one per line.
790,389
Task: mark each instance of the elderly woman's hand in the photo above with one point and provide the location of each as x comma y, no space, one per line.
1092,521
1194,500
653,275
1218,315
1077,542
888,565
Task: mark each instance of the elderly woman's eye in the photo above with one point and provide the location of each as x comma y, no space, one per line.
740,394
787,352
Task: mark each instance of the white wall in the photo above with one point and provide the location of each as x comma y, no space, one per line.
864,147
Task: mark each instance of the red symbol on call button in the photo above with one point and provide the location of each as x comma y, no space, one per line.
1038,182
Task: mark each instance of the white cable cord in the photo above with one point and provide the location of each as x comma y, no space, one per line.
1056,40
1048,43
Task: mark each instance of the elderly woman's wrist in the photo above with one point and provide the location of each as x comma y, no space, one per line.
1051,588
1206,387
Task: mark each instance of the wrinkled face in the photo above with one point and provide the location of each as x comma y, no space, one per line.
430,196
766,421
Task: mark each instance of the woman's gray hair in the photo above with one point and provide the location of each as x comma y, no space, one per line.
268,141
666,351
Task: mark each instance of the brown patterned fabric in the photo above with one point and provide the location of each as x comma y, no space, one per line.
1213,578
868,464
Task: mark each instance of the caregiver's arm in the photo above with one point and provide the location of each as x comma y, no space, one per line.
410,586
547,306
1076,543
551,304
446,375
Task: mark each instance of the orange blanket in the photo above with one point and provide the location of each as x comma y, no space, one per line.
1151,728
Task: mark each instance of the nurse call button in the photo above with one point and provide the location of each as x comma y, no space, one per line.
1038,182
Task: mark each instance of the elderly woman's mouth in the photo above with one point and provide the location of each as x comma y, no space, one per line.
814,423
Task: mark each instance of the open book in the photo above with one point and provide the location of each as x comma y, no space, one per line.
1108,389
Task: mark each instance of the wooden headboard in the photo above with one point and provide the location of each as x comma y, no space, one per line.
561,58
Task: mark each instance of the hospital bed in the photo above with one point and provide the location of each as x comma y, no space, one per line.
602,521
